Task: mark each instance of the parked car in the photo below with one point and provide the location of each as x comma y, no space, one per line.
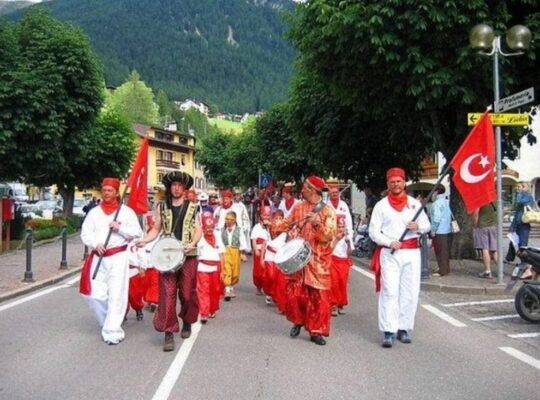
77,210
29,210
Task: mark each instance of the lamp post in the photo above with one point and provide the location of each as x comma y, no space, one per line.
482,38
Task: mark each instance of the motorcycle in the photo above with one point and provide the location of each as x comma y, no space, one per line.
527,299
361,243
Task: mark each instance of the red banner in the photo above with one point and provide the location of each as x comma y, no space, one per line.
138,181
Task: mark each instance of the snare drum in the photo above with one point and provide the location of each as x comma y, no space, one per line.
293,256
167,255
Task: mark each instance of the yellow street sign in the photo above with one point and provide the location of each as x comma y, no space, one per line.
501,119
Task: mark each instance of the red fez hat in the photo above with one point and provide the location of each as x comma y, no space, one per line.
115,183
208,220
393,172
316,182
226,193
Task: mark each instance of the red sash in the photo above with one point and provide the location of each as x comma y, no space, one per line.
84,286
375,264
211,262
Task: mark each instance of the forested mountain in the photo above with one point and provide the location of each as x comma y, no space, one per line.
225,52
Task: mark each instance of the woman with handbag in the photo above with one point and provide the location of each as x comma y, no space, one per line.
523,198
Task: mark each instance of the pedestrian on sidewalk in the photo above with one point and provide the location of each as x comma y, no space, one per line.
484,222
107,294
397,262
523,198
441,227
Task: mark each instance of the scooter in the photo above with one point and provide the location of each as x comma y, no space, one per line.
527,299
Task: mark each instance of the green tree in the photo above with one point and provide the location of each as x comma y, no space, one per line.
389,83
51,91
213,154
135,100
109,151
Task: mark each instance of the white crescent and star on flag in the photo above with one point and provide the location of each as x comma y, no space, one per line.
465,169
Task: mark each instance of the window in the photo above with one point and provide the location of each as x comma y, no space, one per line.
163,155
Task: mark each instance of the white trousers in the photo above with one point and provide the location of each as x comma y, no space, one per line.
400,286
109,296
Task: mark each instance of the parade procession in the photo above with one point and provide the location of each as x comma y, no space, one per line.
269,199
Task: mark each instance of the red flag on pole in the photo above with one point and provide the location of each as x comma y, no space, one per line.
474,165
138,181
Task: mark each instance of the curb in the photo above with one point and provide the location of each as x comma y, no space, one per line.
39,284
455,289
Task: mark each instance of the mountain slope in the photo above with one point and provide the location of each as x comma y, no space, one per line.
225,52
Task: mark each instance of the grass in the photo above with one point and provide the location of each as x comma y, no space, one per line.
226,126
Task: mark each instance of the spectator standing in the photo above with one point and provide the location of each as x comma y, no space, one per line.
484,221
523,198
441,227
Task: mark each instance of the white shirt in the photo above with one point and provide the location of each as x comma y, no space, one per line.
259,232
205,251
343,209
283,208
95,227
387,224
275,244
340,250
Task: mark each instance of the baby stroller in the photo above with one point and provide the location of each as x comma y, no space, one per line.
361,241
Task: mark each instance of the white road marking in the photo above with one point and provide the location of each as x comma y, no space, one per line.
31,297
474,303
444,316
23,300
495,317
524,335
73,280
365,273
173,373
521,356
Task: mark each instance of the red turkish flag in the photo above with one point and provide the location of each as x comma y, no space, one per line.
138,181
474,165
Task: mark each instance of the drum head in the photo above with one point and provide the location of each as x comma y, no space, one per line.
167,255
289,250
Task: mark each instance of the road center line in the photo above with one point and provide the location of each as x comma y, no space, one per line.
495,317
173,373
444,316
365,273
521,356
474,303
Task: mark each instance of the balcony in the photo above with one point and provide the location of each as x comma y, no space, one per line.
168,164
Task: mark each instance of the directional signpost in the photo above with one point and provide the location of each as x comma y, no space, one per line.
501,119
516,100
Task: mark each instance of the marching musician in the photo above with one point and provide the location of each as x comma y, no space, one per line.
235,253
308,290
288,201
107,294
177,215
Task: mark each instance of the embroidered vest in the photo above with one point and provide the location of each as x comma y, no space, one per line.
188,223
235,240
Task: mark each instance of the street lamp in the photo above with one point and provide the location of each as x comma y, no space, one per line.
518,39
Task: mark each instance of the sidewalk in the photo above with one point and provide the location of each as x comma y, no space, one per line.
46,258
463,277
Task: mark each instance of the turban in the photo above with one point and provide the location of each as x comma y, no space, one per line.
115,183
395,172
177,176
227,193
208,220
316,182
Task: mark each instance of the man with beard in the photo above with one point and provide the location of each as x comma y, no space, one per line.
107,294
178,214
397,262
307,292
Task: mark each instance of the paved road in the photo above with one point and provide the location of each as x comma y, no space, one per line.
52,349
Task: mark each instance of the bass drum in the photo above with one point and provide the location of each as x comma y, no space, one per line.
167,255
293,256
